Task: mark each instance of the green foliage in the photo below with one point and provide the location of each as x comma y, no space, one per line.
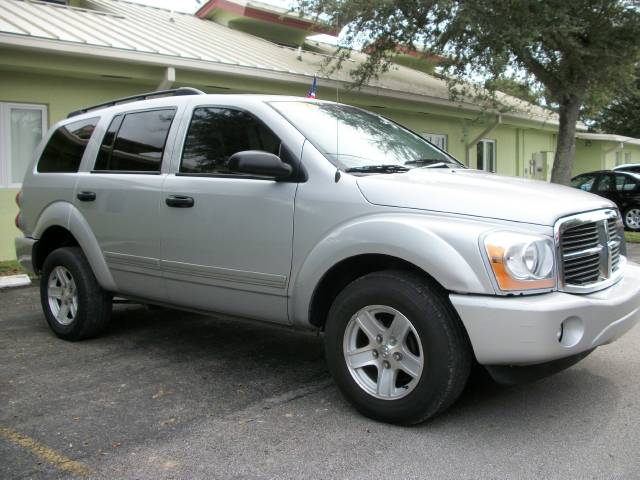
10,267
579,52
622,115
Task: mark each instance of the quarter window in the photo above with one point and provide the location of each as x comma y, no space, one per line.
66,147
217,133
135,142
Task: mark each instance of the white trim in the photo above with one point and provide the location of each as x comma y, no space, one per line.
5,137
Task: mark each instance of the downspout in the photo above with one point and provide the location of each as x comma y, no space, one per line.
483,134
168,80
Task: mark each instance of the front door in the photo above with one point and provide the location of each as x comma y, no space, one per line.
227,237
120,199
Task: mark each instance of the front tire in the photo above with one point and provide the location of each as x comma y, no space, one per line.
631,219
74,304
396,348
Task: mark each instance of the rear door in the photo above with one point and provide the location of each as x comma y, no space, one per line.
228,250
120,197
604,187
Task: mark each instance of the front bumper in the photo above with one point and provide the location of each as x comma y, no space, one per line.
24,252
524,330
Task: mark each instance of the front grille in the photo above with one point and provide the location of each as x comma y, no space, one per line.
591,248
616,241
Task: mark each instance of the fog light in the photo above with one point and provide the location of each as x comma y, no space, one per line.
571,332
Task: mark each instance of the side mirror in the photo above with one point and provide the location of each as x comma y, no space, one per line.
257,162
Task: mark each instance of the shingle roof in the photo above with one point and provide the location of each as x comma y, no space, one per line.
112,26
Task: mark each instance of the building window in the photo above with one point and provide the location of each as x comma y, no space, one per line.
22,126
437,139
486,155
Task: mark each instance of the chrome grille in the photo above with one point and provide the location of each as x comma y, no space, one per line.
616,241
591,250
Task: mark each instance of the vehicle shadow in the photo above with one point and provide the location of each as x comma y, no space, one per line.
270,359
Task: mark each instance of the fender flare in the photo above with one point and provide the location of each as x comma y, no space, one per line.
408,237
66,215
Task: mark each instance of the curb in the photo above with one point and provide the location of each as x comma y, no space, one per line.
10,281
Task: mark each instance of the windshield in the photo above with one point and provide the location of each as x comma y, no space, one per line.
355,140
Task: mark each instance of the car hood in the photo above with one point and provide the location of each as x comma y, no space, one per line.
478,193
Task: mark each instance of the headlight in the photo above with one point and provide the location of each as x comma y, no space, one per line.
519,261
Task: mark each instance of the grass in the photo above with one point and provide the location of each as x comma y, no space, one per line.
10,267
632,237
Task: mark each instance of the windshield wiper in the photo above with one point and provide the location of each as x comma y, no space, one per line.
430,163
390,168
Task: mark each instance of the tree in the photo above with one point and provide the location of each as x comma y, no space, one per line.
578,52
622,115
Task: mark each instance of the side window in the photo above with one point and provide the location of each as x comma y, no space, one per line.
217,133
625,183
135,142
583,182
604,184
66,146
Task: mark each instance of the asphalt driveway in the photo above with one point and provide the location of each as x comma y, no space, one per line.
167,394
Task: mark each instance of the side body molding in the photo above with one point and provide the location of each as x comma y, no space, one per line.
64,214
437,245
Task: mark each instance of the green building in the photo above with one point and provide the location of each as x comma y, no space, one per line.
57,56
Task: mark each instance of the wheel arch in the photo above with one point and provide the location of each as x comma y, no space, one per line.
377,244
62,224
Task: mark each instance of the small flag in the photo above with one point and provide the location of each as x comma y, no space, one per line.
314,88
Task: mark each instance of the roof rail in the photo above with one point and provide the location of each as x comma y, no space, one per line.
175,92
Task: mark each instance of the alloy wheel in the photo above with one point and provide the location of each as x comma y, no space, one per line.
62,295
383,352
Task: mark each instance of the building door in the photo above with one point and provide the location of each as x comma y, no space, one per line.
21,129
486,155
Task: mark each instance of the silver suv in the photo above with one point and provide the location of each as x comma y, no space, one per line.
323,216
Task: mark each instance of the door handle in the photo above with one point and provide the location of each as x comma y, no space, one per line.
86,196
179,201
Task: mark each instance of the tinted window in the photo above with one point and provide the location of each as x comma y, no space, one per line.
624,183
604,184
217,133
583,182
66,146
136,142
102,163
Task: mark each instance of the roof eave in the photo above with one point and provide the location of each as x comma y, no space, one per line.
78,49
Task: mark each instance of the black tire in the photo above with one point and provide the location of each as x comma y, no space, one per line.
93,306
634,227
445,345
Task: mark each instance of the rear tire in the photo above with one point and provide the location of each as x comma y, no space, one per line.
74,304
396,347
631,218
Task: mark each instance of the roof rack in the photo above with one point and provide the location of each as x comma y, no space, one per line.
175,92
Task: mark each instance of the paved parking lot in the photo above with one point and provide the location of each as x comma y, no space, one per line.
174,395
